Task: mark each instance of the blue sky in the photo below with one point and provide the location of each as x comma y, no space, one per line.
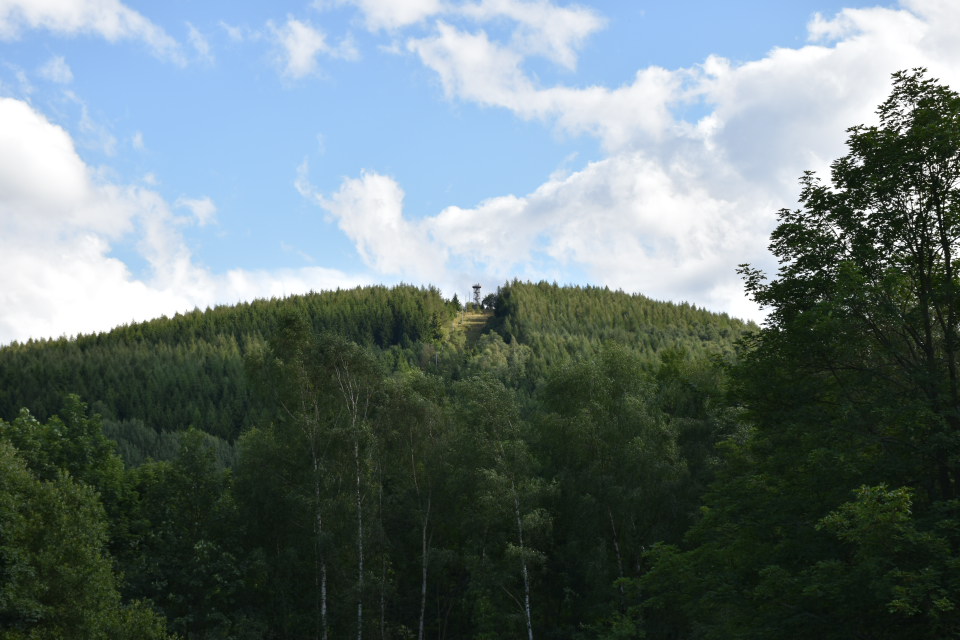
156,157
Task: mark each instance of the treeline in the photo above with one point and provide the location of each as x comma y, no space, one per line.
132,372
389,504
429,488
562,324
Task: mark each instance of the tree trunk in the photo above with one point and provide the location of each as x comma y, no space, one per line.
523,562
356,458
320,566
616,548
424,556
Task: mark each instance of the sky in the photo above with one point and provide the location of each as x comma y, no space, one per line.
157,157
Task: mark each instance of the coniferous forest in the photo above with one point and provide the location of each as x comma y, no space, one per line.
562,462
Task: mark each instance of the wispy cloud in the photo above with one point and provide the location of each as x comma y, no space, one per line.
203,209
200,44
109,19
57,70
300,44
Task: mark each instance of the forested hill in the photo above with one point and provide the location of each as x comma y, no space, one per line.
130,374
196,359
560,324
368,450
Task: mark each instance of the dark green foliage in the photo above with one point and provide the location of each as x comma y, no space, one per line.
836,513
56,576
187,520
137,444
630,451
390,481
562,324
133,371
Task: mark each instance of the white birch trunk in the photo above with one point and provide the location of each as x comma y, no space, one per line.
523,562
357,401
320,577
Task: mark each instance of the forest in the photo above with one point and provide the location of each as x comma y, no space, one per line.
559,462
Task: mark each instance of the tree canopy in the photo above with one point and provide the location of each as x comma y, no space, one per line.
836,515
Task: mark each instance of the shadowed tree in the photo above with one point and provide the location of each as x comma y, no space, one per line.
836,516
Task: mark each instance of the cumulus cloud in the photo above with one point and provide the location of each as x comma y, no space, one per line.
676,204
109,19
848,64
608,219
59,222
369,209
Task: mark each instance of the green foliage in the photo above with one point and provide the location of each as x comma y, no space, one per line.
850,389
344,462
186,529
197,357
56,578
563,324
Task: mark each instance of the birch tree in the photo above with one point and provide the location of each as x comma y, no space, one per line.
510,492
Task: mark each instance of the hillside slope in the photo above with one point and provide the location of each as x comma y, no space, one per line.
561,324
130,374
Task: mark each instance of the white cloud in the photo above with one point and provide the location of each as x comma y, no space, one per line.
391,14
234,32
473,67
57,70
369,209
37,155
59,221
109,19
94,134
137,141
203,209
628,221
848,74
301,43
544,29
200,44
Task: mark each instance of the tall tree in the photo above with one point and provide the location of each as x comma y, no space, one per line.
355,380
511,496
290,375
56,577
836,517
323,388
